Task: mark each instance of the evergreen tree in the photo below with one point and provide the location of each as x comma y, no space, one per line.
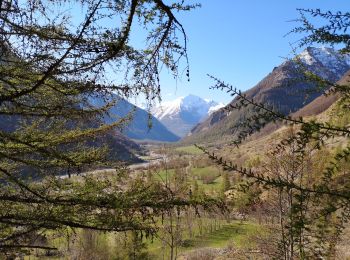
52,63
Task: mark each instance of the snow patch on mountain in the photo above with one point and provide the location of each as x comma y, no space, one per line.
215,108
325,57
167,108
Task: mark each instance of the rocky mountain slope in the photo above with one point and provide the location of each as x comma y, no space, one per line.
182,114
141,126
285,88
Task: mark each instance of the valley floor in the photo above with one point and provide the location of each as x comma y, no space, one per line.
246,227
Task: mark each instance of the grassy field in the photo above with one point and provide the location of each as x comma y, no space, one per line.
209,170
195,174
191,149
236,233
163,175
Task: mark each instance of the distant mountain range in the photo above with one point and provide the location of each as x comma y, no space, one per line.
182,114
285,88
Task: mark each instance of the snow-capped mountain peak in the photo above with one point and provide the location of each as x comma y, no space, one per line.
190,102
167,108
325,57
186,112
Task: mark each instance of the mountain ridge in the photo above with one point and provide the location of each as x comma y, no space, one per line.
284,88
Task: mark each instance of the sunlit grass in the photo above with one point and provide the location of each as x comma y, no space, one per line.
237,233
191,149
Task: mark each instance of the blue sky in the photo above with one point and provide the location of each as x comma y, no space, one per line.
238,41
